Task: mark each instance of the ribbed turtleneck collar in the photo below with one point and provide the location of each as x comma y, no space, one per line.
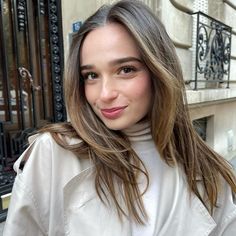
139,132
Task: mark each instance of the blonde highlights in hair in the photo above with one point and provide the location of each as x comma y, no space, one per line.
117,165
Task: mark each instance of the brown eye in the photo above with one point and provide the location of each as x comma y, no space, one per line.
90,76
127,70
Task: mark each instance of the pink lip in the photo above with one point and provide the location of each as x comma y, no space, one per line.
113,113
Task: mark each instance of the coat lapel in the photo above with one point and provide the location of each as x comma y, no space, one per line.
189,217
85,214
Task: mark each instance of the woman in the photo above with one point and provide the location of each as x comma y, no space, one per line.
129,161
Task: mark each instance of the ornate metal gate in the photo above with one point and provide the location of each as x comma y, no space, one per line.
31,61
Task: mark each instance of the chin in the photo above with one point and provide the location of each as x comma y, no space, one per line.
115,125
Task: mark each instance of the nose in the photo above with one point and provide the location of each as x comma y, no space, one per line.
108,90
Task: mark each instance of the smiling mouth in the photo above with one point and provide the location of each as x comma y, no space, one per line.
113,113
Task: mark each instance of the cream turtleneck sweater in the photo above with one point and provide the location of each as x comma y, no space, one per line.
166,198
156,203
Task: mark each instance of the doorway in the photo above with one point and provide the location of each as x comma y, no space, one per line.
31,65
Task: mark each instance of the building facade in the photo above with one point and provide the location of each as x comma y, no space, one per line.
31,74
35,37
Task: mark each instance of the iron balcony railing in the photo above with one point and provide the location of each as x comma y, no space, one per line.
212,49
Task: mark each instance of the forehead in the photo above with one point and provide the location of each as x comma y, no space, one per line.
111,40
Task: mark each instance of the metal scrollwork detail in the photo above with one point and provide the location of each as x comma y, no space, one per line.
203,48
213,49
24,73
53,18
55,38
57,61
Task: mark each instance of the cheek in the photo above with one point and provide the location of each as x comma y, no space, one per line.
143,89
145,95
89,95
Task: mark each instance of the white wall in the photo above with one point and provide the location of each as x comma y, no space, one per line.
222,119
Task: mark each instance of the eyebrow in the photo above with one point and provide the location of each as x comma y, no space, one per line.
113,62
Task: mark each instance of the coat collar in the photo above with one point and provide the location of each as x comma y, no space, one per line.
85,214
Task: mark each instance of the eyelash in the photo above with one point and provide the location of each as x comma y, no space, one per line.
130,68
86,75
120,71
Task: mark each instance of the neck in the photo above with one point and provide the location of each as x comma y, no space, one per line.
139,132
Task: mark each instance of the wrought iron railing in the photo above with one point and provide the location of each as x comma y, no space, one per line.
6,176
212,53
2,144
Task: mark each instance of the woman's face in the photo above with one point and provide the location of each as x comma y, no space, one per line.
117,82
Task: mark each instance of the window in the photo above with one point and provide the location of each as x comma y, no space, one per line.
200,126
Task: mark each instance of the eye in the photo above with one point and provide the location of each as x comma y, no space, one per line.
127,70
89,76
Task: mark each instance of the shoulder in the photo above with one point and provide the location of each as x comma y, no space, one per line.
38,189
42,150
44,160
46,137
38,144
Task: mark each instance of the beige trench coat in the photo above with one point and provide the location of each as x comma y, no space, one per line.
54,195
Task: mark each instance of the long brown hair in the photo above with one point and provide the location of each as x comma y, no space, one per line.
172,131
